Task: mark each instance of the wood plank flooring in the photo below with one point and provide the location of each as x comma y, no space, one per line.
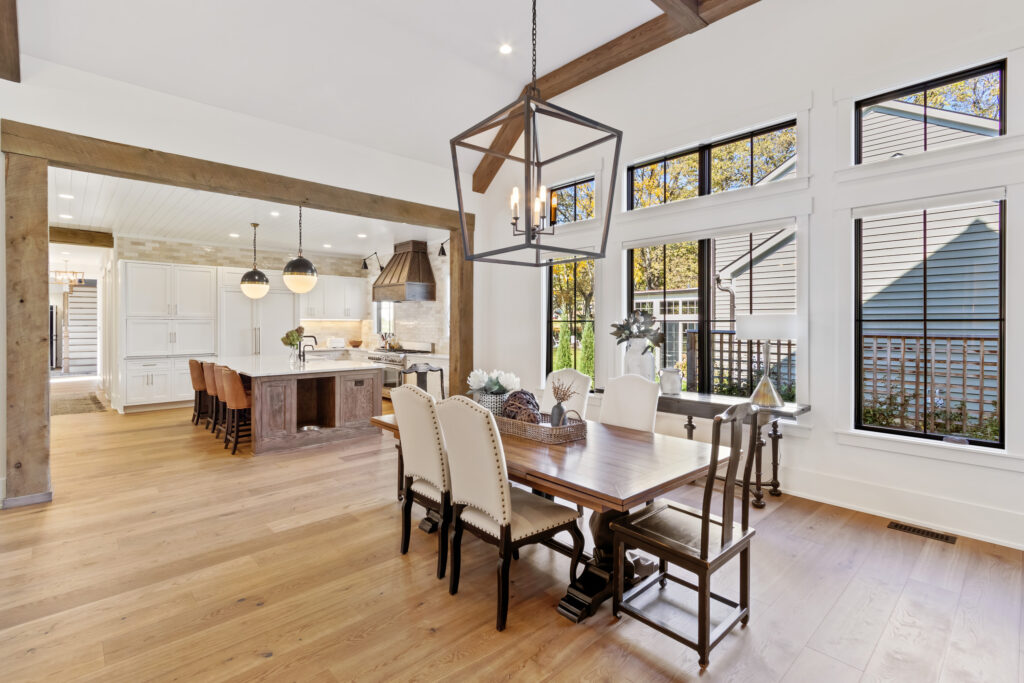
163,557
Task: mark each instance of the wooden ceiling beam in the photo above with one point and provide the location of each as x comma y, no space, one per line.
85,238
713,10
10,57
616,52
686,13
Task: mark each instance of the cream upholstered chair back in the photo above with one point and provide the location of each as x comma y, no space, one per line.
475,458
423,445
579,382
630,401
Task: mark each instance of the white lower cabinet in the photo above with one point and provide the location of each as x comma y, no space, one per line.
147,381
181,381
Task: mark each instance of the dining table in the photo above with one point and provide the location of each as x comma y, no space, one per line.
611,471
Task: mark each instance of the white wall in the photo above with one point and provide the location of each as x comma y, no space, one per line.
811,60
67,99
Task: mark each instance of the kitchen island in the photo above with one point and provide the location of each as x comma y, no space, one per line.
295,405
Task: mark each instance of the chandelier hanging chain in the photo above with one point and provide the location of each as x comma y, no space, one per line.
254,246
300,230
534,39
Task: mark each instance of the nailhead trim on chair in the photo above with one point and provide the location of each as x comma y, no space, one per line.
446,486
506,506
534,531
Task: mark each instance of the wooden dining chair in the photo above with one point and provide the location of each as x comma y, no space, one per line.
630,401
426,479
213,410
578,381
202,399
696,540
238,409
422,370
483,501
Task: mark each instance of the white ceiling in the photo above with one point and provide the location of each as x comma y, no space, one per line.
88,260
139,209
403,76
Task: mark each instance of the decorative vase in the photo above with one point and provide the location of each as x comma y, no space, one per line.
557,415
293,356
638,362
493,402
671,381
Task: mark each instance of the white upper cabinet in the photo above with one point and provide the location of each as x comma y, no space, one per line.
194,290
147,290
311,304
161,290
335,298
356,299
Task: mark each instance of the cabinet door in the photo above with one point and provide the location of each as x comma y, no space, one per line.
333,290
311,304
195,289
360,399
181,381
160,386
275,316
136,388
356,299
147,290
147,337
274,409
193,337
236,323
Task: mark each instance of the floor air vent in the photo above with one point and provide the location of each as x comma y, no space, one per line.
918,531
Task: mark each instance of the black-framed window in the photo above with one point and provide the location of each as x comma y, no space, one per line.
754,158
929,323
572,202
571,291
695,289
953,110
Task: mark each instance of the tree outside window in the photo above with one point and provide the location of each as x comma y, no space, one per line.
571,319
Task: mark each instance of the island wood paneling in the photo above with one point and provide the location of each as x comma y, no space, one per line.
28,381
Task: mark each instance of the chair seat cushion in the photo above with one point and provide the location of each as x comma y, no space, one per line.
678,528
531,514
425,488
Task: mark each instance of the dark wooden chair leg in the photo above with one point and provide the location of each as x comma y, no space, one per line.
227,427
703,619
453,578
442,535
745,584
406,516
620,555
504,565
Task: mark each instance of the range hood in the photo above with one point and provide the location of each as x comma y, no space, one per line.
407,276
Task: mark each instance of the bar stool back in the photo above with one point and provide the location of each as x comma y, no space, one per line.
239,408
199,406
213,412
222,406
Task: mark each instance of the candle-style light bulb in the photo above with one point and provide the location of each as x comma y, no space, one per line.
514,202
536,210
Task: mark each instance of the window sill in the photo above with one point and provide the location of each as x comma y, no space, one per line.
975,456
744,194
939,158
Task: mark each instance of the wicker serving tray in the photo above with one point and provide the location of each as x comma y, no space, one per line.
572,430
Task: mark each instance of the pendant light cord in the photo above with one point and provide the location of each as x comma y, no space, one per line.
534,40
254,246
300,230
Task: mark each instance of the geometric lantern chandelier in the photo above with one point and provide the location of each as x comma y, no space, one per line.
557,145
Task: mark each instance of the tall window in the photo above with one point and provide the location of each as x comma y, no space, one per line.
957,109
571,317
572,202
929,323
699,287
761,156
384,313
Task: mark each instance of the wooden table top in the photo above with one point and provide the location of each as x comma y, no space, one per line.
612,469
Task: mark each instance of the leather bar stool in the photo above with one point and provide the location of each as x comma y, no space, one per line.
200,407
213,410
222,406
238,402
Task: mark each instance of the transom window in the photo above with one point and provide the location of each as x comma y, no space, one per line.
754,158
930,323
956,109
572,202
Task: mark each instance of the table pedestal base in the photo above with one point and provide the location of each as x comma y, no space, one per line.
597,581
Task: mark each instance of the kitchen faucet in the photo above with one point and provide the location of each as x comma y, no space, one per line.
302,350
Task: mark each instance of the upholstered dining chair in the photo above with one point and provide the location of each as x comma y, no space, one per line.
213,413
630,401
484,503
426,464
578,381
422,372
238,408
201,403
697,540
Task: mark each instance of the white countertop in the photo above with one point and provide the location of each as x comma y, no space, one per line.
269,366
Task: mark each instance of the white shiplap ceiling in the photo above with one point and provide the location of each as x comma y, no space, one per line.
133,208
402,76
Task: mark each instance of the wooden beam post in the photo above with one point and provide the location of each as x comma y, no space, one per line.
28,381
85,238
10,56
460,335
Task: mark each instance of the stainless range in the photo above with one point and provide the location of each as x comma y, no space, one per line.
394,362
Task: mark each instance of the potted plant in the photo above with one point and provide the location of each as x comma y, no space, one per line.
640,334
491,389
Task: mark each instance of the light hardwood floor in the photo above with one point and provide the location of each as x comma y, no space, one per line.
164,557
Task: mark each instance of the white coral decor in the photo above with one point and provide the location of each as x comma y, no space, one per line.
509,381
477,380
493,382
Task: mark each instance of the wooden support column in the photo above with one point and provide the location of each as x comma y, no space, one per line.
460,336
28,382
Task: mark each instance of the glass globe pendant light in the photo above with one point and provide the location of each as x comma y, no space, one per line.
255,283
300,273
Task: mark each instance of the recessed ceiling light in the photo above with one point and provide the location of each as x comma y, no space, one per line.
361,235
66,196
505,49
275,214
232,234
65,253
327,246
66,216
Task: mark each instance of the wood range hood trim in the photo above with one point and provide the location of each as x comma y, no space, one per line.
407,276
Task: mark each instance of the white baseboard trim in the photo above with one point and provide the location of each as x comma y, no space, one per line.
145,408
30,499
958,517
